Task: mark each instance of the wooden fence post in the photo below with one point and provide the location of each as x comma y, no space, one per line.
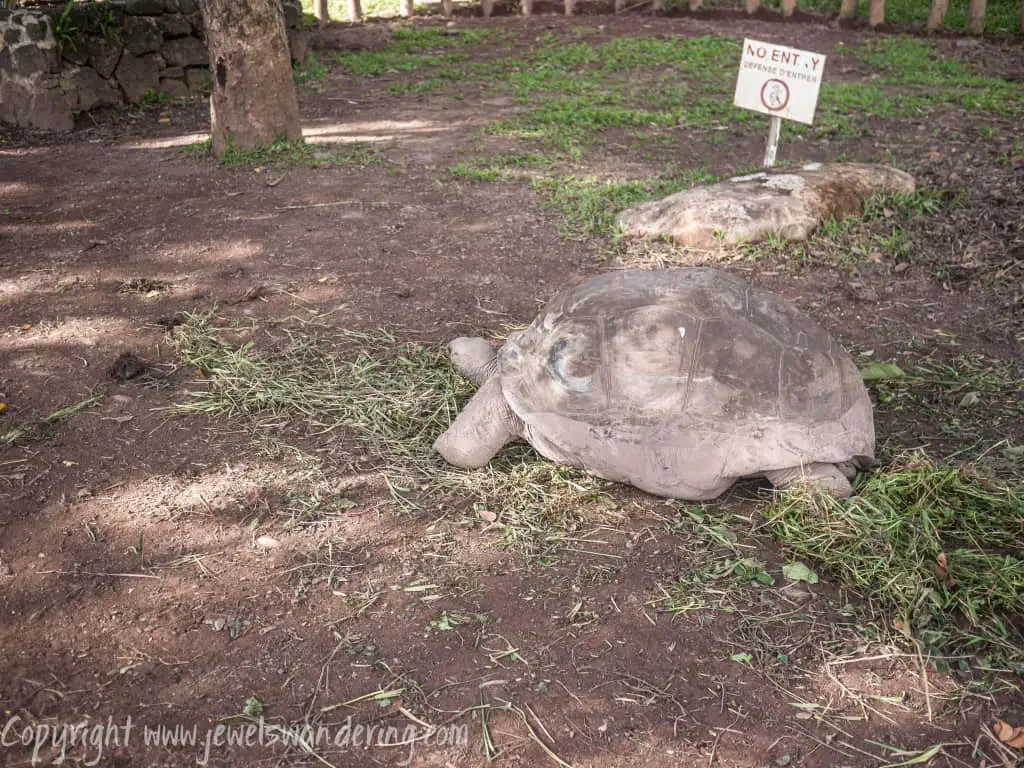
876,12
976,17
320,11
937,14
848,9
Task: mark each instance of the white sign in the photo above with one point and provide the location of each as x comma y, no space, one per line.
779,81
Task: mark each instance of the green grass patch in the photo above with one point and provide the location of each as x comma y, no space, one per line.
283,152
310,70
413,49
197,148
880,235
589,206
394,399
498,166
939,546
153,98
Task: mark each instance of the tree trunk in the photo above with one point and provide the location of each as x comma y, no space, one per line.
320,11
976,17
406,8
253,98
446,8
526,7
355,10
657,6
848,9
876,12
788,6
695,5
753,5
570,7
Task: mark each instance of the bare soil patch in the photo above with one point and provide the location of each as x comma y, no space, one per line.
169,568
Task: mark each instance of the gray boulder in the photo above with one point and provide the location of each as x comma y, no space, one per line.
790,204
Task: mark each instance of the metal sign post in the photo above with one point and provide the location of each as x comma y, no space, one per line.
774,127
780,82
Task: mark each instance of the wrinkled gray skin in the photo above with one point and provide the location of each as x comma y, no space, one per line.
678,382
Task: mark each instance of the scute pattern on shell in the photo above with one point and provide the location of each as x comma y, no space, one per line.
674,362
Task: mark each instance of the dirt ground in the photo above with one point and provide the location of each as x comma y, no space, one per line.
133,579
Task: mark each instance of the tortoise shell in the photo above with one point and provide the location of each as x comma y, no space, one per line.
705,376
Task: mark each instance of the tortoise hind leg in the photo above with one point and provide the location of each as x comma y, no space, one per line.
826,477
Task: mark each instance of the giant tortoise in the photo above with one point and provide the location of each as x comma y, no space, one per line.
678,382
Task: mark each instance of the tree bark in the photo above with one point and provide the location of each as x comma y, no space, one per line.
406,8
695,5
788,6
753,5
487,7
321,12
355,10
526,7
253,99
446,8
876,12
570,7
976,17
848,9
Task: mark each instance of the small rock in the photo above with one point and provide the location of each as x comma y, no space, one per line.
127,366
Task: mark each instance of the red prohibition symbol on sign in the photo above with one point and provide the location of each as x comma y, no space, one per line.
774,95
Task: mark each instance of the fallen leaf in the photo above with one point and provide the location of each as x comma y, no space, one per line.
267,542
971,398
876,371
163,119
941,570
3,407
486,515
742,658
1011,736
25,326
921,757
798,571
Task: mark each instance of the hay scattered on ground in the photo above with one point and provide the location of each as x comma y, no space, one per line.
394,398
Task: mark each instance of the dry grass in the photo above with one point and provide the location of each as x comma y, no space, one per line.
394,398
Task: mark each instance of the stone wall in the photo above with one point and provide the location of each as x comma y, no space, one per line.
111,54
